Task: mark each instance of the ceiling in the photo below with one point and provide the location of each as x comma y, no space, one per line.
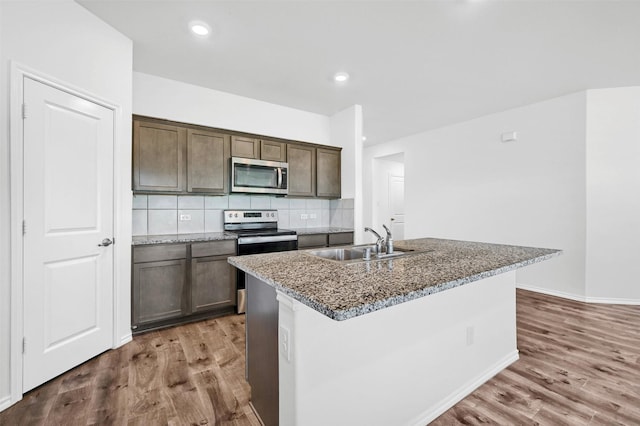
414,66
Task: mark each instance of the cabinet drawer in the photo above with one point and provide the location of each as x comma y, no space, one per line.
312,240
161,252
213,248
341,238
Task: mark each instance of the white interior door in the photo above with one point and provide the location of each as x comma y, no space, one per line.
396,206
68,211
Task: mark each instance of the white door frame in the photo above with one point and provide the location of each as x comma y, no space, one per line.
18,73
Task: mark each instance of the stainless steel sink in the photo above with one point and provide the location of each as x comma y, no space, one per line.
353,254
338,253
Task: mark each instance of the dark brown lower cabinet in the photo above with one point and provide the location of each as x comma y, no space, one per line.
158,291
176,283
212,284
308,241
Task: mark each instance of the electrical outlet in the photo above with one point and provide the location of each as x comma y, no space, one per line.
470,335
285,343
312,216
304,216
185,217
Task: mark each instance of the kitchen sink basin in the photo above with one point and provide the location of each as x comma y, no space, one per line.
339,253
355,254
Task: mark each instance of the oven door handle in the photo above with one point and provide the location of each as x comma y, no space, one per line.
272,239
279,177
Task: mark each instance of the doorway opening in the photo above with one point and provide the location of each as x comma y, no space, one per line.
388,193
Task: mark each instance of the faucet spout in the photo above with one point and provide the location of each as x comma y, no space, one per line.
379,242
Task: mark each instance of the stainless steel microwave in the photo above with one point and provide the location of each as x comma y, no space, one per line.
259,176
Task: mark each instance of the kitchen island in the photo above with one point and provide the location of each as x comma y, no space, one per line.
395,341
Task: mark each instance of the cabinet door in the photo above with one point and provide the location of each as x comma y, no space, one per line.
302,170
307,241
208,156
341,238
245,147
158,157
213,284
273,151
158,291
328,173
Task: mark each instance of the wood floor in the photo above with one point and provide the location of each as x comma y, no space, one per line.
187,375
579,365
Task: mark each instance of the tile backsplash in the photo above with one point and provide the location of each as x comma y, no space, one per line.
186,214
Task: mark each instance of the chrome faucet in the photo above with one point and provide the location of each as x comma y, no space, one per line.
379,242
389,240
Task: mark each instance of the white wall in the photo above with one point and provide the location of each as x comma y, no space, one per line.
462,182
64,41
346,131
613,194
174,100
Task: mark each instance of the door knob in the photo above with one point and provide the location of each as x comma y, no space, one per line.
106,242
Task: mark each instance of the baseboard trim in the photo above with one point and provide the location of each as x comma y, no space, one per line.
5,402
571,296
453,399
579,298
125,339
613,301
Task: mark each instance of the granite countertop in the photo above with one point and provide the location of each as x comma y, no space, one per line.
182,238
142,240
343,291
321,230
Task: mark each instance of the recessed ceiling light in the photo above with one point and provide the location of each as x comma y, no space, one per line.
341,77
199,28
364,138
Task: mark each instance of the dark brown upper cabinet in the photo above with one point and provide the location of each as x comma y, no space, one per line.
171,157
260,149
302,170
273,151
158,157
328,182
208,156
245,147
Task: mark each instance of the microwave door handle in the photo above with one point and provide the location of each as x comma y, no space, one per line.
279,177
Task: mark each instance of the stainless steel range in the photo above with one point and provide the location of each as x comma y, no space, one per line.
257,232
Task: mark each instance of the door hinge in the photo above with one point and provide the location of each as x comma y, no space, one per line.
24,345
24,111
24,227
